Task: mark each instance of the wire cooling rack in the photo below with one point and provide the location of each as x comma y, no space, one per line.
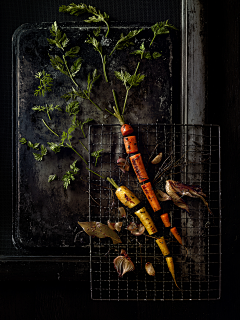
191,154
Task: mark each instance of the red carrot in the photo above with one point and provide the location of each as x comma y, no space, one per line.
130,144
165,220
126,129
176,234
138,167
150,194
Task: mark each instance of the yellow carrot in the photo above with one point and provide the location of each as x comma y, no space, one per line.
146,220
171,269
127,197
163,246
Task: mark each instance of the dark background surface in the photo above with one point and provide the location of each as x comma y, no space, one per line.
25,294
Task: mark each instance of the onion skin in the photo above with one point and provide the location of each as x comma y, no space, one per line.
126,197
123,264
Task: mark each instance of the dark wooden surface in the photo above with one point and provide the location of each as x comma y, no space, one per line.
61,299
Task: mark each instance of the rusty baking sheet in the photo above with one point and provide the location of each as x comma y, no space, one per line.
45,215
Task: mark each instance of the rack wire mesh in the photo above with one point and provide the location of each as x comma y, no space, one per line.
191,154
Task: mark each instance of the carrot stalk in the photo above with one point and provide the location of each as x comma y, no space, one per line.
146,220
130,144
171,269
138,167
163,246
176,235
165,220
151,196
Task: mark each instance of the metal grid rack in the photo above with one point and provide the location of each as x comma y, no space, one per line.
194,152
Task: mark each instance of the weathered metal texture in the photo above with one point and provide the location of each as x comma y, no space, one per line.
46,215
193,87
193,112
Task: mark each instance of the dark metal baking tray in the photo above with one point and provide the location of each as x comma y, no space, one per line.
45,215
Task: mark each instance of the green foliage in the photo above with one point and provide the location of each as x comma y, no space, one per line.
70,175
78,9
125,41
52,177
161,28
84,94
72,108
45,84
39,156
61,41
96,154
129,80
47,108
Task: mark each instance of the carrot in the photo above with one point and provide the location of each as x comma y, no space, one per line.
163,246
126,129
165,220
176,234
127,197
130,144
171,268
146,220
138,167
150,194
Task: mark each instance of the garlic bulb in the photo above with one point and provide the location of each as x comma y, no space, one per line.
149,268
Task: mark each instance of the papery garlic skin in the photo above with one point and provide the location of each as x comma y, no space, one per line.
150,269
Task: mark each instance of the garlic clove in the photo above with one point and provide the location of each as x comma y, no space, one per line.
123,164
111,225
122,212
118,226
132,226
162,196
149,269
157,159
139,231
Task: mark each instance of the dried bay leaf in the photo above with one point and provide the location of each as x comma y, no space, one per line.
99,230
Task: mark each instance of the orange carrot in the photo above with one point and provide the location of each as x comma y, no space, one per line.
171,268
138,167
163,246
146,220
176,234
150,194
126,129
165,220
130,144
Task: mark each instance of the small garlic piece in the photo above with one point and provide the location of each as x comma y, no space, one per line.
157,159
122,212
111,225
149,268
118,226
